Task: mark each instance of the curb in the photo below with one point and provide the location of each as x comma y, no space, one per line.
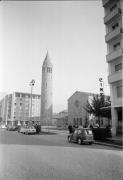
109,144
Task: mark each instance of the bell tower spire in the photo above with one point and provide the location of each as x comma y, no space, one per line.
46,91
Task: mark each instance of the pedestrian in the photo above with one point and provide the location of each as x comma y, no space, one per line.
70,128
91,126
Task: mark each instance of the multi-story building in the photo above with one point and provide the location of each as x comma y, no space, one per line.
16,108
5,109
113,21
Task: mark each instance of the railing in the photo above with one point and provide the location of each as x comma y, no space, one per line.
105,2
113,34
112,14
115,77
113,55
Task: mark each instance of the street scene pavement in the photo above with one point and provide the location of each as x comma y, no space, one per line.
50,157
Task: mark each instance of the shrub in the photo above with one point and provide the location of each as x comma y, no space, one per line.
38,128
101,133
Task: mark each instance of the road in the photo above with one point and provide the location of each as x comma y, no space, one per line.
51,157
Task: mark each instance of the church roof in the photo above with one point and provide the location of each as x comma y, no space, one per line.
47,61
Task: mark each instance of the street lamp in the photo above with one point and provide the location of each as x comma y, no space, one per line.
31,84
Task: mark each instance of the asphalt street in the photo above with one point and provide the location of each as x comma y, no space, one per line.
51,157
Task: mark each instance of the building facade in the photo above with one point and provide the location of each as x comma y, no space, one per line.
15,108
46,92
62,119
113,21
77,116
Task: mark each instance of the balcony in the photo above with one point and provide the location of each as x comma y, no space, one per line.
105,2
114,55
115,77
113,34
111,15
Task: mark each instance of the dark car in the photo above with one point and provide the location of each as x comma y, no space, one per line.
11,128
81,135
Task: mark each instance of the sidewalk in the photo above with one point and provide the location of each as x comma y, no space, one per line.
113,142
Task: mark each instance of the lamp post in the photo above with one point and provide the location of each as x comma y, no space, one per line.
31,84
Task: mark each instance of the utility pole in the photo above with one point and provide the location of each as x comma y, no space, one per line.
31,84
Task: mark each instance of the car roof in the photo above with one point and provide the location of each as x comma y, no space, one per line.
83,129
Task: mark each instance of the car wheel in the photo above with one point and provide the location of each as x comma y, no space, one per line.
69,139
90,143
79,141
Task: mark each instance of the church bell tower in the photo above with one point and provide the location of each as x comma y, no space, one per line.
46,92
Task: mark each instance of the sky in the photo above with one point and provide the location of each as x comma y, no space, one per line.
72,32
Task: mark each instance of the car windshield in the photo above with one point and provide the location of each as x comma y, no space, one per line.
88,132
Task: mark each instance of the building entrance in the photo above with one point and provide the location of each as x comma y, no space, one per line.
120,121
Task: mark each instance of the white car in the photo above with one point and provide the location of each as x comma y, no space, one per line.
30,130
22,129
3,126
27,130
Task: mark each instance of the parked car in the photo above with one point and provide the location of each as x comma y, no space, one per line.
3,126
81,135
30,130
22,129
11,128
27,130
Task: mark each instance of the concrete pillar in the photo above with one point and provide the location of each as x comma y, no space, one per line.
114,121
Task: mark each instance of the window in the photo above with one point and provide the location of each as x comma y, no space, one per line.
17,95
81,121
116,46
119,91
115,26
26,96
75,132
88,132
79,131
48,69
118,67
23,95
113,7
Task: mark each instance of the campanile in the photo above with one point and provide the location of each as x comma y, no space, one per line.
46,92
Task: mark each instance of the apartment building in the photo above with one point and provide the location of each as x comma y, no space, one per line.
16,108
113,20
5,109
